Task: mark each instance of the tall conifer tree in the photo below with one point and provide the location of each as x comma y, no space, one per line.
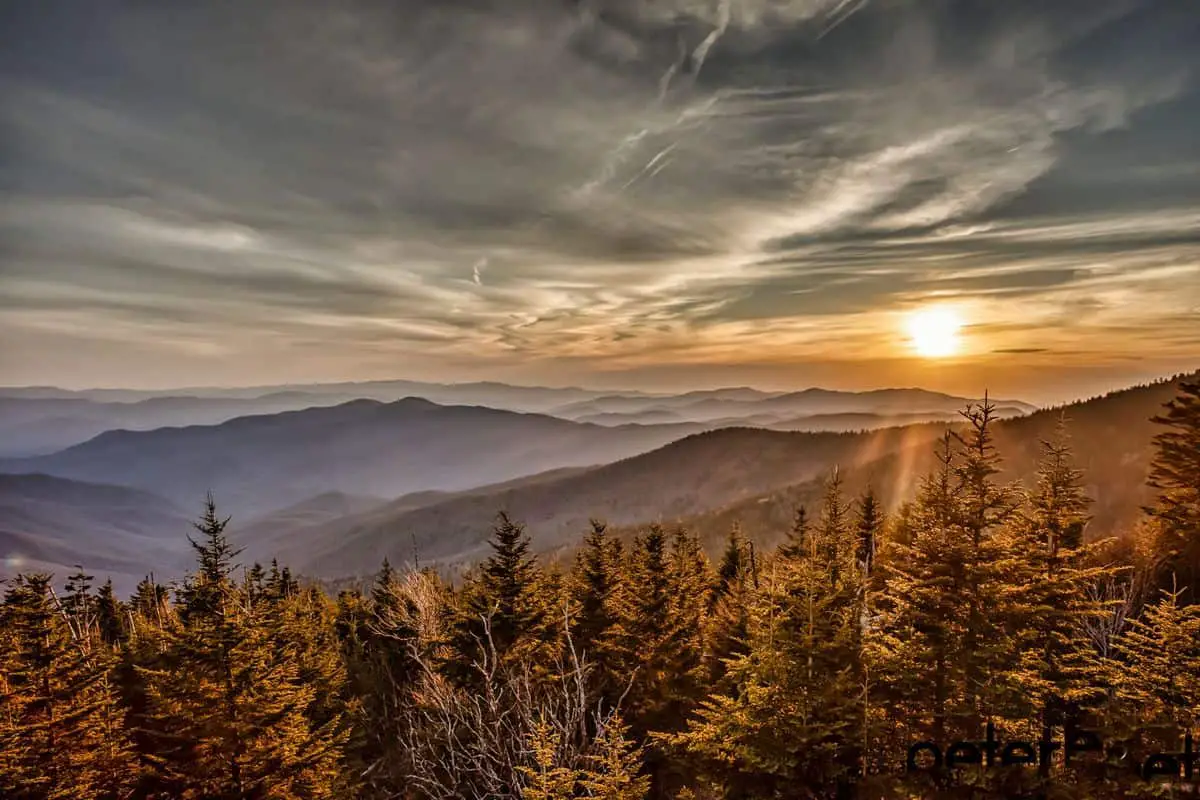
1175,473
61,729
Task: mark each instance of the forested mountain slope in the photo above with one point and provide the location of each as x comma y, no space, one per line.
757,477
51,524
1111,438
699,472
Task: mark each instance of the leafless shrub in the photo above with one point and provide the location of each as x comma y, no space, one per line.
455,743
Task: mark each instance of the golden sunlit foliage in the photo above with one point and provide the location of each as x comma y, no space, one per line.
643,670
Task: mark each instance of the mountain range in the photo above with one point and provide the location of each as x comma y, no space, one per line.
752,477
333,488
263,462
40,420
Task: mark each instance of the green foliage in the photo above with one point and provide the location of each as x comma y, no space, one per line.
661,618
1162,658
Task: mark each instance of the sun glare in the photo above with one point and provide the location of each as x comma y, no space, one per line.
933,332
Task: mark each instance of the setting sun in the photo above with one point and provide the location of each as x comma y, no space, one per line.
934,332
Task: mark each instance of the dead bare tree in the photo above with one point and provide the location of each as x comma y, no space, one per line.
454,743
1119,598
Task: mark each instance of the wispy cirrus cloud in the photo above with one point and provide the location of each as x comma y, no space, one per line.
584,191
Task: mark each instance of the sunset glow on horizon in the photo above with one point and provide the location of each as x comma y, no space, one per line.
612,194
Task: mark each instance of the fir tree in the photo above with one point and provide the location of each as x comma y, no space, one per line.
61,732
502,613
793,726
149,601
79,606
1049,572
729,614
254,586
595,592
832,527
227,709
547,778
662,618
796,544
612,771
207,589
381,640
1161,671
111,616
1058,505
985,508
940,632
1175,473
868,528
733,566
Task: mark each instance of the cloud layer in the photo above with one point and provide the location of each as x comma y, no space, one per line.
597,191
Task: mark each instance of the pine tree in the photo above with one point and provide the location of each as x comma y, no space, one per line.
1175,473
609,771
206,592
612,771
381,639
1049,572
833,523
729,615
1157,676
547,778
111,616
796,544
940,643
868,529
227,709
793,727
79,605
252,583
1058,505
61,730
733,564
504,612
662,618
1162,651
985,508
149,601
596,627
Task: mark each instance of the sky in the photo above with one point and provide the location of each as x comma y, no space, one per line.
650,194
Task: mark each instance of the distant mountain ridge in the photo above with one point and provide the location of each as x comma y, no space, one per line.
39,426
1111,437
727,405
479,392
263,462
312,486
701,471
38,421
754,477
